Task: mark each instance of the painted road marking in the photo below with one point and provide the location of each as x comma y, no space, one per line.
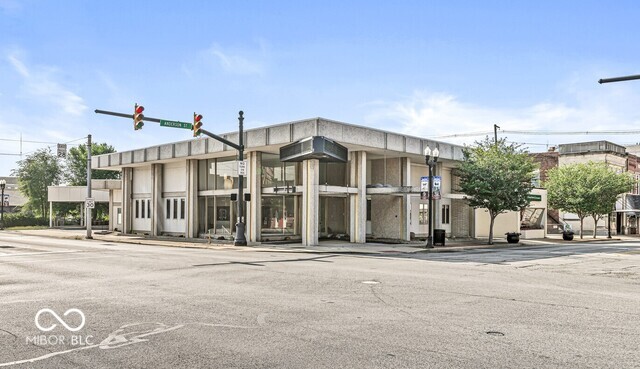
44,252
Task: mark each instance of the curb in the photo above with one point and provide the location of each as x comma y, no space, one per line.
320,250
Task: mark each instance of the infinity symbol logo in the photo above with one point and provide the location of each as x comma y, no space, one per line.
47,310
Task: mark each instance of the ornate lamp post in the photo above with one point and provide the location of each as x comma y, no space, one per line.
430,157
3,183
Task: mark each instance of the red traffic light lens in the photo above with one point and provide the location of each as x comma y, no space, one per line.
197,118
139,109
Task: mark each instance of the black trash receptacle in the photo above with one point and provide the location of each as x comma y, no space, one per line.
438,237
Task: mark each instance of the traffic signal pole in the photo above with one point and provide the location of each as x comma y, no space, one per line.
240,239
609,80
87,210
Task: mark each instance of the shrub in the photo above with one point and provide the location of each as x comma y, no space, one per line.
23,220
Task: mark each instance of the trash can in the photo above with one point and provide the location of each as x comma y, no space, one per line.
438,237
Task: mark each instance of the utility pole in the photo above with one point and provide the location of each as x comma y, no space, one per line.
495,134
87,209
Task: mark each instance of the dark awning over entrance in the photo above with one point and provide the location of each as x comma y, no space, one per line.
314,147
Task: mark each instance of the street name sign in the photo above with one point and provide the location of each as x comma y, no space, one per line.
175,124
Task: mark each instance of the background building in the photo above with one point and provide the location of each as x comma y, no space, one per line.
14,200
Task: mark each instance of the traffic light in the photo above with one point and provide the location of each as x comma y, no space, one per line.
138,117
197,124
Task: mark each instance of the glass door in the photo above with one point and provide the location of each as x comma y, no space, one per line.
279,215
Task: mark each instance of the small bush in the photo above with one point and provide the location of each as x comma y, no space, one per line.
23,220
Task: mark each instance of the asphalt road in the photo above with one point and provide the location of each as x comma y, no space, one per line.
570,306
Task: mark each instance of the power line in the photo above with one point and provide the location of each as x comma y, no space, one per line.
53,144
18,140
543,133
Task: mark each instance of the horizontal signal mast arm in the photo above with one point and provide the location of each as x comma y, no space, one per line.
212,135
619,79
122,115
221,139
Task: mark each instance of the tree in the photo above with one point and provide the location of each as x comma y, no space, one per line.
586,189
496,176
77,164
76,174
35,173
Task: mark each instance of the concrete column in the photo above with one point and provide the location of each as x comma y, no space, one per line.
310,203
111,213
50,213
358,201
127,184
254,207
156,199
191,221
406,199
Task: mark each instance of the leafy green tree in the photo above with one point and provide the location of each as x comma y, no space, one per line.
76,174
496,176
586,189
35,173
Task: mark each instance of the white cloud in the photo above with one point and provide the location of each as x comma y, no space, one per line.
236,63
40,85
427,114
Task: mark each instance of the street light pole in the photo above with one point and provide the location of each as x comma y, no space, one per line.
430,159
240,239
3,183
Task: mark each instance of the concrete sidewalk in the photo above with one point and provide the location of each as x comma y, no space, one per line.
330,246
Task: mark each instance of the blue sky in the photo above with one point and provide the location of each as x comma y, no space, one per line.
426,68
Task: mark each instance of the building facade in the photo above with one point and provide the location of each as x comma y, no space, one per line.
188,188
623,218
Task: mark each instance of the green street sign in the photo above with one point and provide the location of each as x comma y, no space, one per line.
532,197
175,124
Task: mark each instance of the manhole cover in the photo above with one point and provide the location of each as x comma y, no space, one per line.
495,333
370,282
7,247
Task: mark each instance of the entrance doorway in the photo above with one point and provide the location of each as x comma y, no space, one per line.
280,216
333,220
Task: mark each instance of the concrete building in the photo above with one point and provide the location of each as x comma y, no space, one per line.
14,200
186,188
624,217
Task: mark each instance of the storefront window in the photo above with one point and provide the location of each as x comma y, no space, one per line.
276,173
333,174
218,174
278,215
223,215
